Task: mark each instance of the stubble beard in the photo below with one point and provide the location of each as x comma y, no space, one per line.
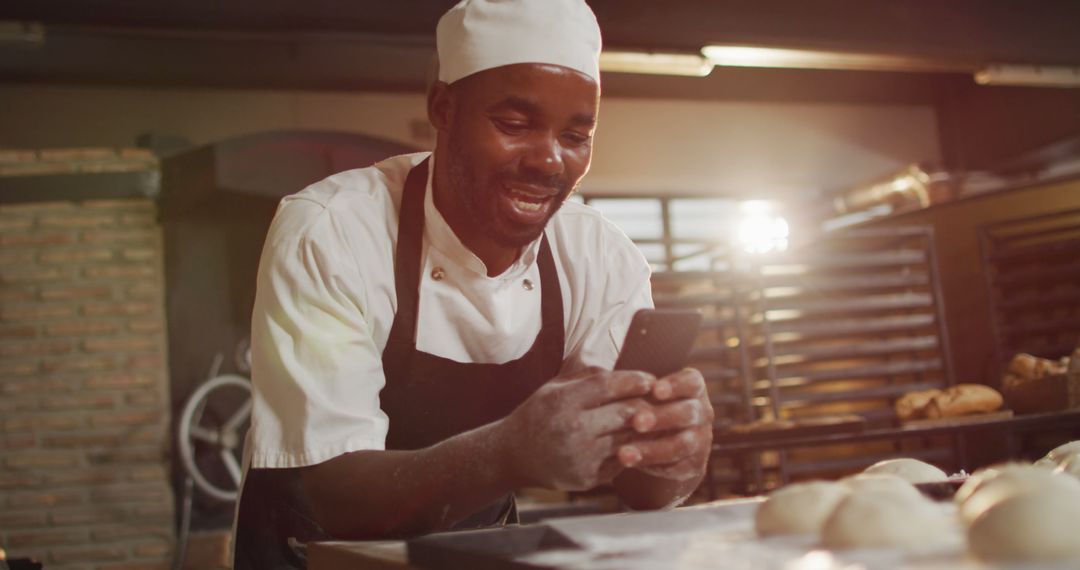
480,201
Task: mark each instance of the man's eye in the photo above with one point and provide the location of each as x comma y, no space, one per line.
577,139
511,126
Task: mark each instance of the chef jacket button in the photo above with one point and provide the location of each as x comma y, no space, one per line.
527,285
438,274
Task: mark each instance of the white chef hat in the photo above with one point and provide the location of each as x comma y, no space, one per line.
481,34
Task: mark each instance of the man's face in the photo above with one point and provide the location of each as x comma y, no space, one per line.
517,143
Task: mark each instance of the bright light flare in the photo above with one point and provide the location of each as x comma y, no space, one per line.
820,560
760,230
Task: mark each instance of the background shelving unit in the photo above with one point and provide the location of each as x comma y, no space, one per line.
1032,270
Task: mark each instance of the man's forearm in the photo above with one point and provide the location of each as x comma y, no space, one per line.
641,491
377,494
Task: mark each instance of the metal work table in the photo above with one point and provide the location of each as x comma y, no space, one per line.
703,537
386,555
373,555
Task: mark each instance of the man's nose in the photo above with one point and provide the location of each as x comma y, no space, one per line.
545,156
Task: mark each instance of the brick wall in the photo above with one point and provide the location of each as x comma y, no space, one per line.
83,381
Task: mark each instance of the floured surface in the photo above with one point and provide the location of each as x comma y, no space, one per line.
721,535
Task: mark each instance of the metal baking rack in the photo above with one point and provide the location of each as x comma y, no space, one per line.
843,326
1032,271
853,319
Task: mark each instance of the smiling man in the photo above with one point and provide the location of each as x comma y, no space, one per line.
437,330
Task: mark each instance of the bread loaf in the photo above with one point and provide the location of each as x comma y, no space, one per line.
959,400
1034,385
1028,366
1024,365
912,405
761,426
964,399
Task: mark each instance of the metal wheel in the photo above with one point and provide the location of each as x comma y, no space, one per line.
242,356
211,432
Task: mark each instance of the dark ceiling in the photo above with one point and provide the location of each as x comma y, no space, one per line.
386,45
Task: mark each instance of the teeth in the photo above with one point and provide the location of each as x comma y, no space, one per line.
528,195
527,206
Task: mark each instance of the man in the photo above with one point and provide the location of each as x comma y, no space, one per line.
435,331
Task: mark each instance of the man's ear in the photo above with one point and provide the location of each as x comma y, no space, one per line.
439,105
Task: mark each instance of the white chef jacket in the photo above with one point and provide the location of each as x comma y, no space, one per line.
326,300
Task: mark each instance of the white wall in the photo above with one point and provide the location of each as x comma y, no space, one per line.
643,146
37,116
755,149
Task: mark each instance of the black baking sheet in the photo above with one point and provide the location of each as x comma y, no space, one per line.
485,549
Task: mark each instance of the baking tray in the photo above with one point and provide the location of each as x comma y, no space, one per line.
544,545
705,537
485,549
941,490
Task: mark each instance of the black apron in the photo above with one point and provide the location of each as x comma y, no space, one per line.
426,397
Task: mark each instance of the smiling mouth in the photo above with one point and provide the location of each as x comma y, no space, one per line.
528,201
528,204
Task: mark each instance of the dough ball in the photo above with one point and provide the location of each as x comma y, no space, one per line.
798,508
984,475
911,470
881,482
1014,482
1059,453
883,519
1033,526
1045,463
1070,466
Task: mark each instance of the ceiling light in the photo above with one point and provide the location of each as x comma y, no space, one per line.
1029,75
689,65
754,56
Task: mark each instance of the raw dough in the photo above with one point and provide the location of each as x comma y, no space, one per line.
869,482
877,519
1015,481
1059,453
1070,465
984,475
1045,463
798,508
1028,527
911,470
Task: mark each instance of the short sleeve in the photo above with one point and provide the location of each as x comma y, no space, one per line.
316,370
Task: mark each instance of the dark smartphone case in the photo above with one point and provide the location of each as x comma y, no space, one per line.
658,341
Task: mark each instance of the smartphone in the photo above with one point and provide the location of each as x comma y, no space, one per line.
659,340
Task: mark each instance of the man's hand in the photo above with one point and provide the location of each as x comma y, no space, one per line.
675,433
566,435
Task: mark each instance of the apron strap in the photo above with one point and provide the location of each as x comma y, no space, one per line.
409,252
401,341
551,302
